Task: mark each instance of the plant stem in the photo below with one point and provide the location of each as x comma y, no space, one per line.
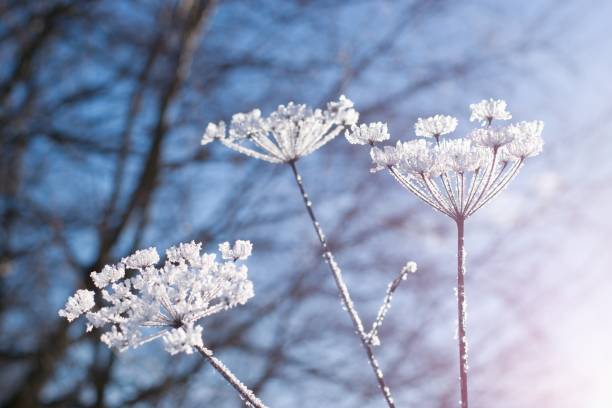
246,394
463,364
343,291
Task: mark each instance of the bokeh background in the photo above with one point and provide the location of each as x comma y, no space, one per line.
103,103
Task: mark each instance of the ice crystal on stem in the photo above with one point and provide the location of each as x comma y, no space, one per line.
457,177
291,132
372,336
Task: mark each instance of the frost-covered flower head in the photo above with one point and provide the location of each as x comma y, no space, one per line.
459,176
368,134
489,110
435,126
290,132
165,301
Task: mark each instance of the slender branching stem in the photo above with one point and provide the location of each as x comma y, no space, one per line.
345,296
461,314
249,398
386,305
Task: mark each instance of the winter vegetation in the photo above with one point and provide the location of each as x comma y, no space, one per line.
132,126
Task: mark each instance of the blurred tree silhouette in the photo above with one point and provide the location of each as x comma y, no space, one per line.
102,108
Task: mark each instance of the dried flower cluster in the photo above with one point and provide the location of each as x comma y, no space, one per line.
290,132
456,176
141,302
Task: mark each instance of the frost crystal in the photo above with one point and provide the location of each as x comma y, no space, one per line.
183,339
367,134
435,126
164,301
81,302
384,158
240,250
108,275
141,259
489,110
292,131
459,176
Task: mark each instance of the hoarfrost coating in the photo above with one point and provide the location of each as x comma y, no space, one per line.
290,132
459,176
164,301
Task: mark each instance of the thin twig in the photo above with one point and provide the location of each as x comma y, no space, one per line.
386,305
249,398
343,291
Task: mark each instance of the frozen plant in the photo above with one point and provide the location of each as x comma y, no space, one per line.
136,301
286,135
458,176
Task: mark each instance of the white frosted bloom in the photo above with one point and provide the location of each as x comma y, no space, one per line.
241,250
184,339
418,159
185,252
81,302
459,176
493,137
141,258
435,126
460,155
213,131
291,132
247,125
367,134
410,267
488,110
384,158
108,275
527,139
161,301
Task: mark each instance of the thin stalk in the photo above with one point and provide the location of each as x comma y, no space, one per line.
345,296
246,394
461,333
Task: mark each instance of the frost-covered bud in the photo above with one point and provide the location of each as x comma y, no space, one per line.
527,139
81,302
184,339
141,259
247,124
493,137
185,252
460,155
384,158
343,111
108,275
241,250
489,110
410,267
213,131
435,126
368,134
419,159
